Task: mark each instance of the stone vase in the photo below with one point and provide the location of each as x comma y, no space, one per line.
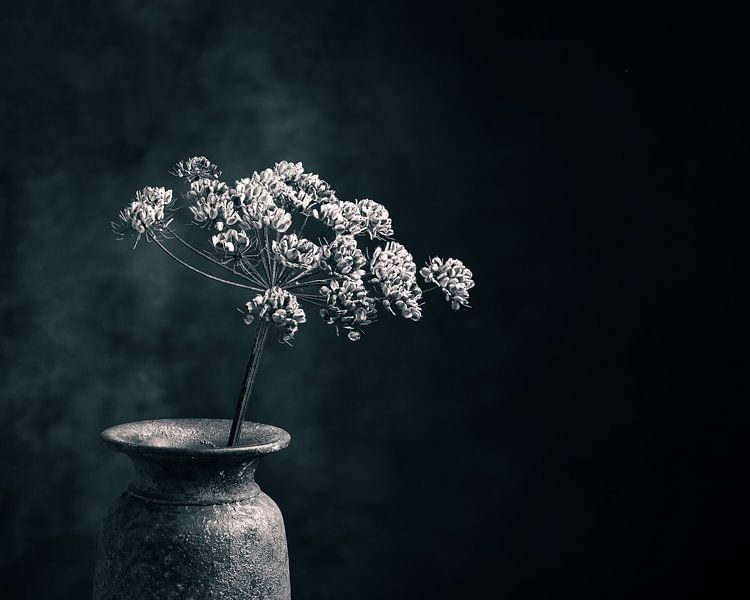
193,524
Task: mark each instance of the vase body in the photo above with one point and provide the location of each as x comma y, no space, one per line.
193,524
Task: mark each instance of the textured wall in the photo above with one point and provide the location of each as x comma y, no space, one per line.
559,439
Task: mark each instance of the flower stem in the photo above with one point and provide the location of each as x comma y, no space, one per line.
209,257
247,385
306,284
219,279
300,276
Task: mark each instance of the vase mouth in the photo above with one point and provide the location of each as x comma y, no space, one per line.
197,438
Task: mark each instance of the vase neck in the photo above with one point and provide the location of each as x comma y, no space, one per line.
186,461
202,481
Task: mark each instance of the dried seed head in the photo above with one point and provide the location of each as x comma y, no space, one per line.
393,270
198,167
279,307
296,253
452,277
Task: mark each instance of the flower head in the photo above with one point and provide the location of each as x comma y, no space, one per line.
231,241
350,219
394,271
342,217
211,202
198,167
147,211
452,277
319,190
329,213
282,193
279,307
253,235
289,172
347,306
296,253
375,219
344,257
258,206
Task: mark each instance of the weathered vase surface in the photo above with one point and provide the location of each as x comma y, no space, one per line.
193,524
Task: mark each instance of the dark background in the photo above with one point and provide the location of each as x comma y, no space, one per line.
572,435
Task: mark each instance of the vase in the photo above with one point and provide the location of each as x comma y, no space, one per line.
193,523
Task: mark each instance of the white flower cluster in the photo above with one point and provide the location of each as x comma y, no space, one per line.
375,218
282,194
355,218
211,202
147,210
231,241
313,191
279,307
393,269
344,257
452,277
256,201
289,172
198,167
257,232
296,253
342,217
347,306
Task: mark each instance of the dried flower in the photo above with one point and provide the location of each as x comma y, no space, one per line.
350,219
375,219
296,253
198,167
279,307
211,202
304,203
342,217
258,206
147,210
283,195
288,171
394,271
452,277
231,241
344,257
257,244
347,306
319,190
330,213
248,189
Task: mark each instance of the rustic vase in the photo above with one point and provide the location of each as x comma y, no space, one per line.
193,524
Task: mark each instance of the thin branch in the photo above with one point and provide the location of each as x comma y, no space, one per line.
306,284
301,275
267,262
192,268
301,229
252,272
316,300
248,274
313,302
209,257
271,264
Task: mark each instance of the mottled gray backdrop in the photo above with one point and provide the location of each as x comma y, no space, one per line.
563,438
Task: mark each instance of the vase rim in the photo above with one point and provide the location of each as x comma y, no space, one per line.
194,438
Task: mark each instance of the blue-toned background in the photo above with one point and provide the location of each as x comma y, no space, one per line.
569,436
